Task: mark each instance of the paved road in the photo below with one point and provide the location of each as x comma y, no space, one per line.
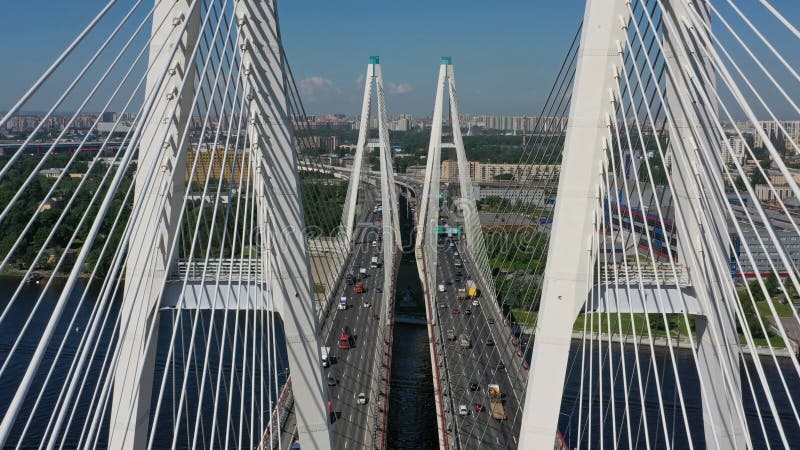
353,368
478,364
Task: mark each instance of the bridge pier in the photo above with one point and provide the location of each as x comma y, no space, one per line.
162,152
273,151
567,277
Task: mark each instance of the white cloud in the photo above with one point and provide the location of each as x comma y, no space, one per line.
312,86
402,88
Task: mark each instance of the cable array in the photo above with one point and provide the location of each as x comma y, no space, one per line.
218,360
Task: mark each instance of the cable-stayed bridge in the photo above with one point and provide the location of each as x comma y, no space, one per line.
195,277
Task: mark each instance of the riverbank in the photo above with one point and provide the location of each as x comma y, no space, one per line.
663,342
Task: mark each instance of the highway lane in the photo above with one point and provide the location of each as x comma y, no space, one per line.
478,364
353,368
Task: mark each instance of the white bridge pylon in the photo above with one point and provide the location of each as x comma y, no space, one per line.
465,204
282,246
428,221
389,202
569,275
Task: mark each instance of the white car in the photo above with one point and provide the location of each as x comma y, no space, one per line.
442,305
367,304
462,410
475,303
362,399
343,303
441,288
374,243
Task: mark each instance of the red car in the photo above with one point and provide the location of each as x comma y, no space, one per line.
478,407
455,310
489,343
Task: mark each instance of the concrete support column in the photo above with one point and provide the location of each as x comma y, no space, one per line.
568,275
274,154
349,213
147,266
701,234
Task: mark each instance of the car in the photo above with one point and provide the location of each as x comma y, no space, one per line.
491,321
441,288
459,273
468,312
475,303
367,304
455,311
455,252
473,387
490,342
331,380
501,366
462,410
479,407
442,305
376,317
374,243
378,290
362,399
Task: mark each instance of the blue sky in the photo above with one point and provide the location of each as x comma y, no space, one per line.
506,53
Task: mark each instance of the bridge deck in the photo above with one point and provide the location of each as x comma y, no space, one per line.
478,364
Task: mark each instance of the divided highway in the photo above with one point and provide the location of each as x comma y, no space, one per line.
487,359
350,371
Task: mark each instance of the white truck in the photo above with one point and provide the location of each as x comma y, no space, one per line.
326,352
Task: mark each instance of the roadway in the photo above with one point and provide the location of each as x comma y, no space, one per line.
353,369
480,363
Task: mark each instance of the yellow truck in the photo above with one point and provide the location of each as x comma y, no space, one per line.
496,402
472,289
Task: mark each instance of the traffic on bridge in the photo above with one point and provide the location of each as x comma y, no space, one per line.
188,259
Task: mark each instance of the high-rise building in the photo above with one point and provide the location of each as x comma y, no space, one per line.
784,135
484,172
736,151
210,163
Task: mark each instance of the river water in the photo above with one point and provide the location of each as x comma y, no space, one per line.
412,419
412,409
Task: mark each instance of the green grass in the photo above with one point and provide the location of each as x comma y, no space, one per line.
783,309
630,324
319,288
624,326
777,341
677,324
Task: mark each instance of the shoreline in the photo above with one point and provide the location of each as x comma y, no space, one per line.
44,274
662,342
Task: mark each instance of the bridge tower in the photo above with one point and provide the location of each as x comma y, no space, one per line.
273,152
568,277
428,225
373,80
428,220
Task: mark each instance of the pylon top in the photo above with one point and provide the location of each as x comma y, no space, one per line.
374,59
447,60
